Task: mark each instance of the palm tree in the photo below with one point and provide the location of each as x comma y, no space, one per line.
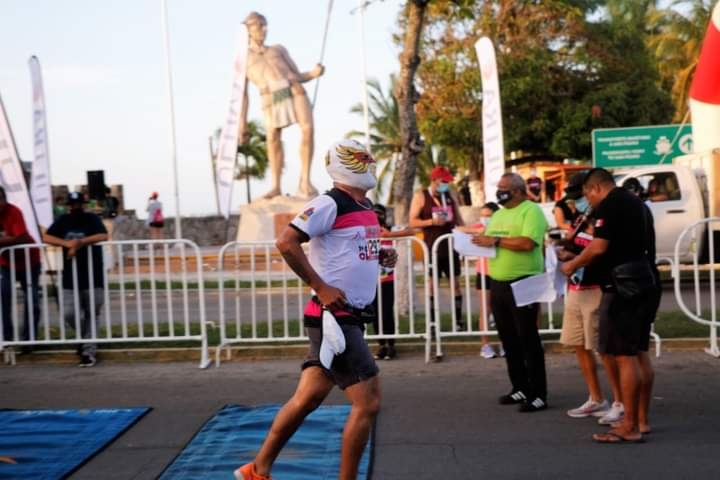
675,41
385,140
255,149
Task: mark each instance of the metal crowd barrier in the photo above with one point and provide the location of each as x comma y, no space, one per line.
468,274
262,301
146,297
697,314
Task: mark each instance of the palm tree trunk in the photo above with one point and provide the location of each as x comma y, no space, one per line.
412,145
406,94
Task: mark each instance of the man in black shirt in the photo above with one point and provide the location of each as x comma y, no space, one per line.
74,231
623,234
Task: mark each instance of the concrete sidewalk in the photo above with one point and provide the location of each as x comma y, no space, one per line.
438,420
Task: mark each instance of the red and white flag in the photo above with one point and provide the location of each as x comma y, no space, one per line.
705,90
12,177
40,189
228,143
493,143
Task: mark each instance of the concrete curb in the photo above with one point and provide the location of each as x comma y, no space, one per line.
298,351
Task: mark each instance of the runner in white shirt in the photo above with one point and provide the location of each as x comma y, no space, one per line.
342,270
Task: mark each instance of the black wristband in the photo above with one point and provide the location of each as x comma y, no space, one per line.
497,241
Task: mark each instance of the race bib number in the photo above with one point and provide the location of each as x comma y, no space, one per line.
369,247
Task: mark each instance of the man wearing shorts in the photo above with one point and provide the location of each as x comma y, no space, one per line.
342,269
623,234
435,211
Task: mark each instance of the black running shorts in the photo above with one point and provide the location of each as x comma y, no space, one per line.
625,324
352,366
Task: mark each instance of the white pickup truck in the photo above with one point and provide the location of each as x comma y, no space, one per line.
684,193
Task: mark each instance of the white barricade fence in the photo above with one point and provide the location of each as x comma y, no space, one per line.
658,341
150,291
471,314
262,301
700,313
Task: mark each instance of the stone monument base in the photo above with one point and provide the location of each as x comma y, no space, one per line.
264,219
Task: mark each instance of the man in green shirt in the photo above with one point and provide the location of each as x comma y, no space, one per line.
517,232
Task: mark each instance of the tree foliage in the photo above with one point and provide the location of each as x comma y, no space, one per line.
675,38
255,149
565,66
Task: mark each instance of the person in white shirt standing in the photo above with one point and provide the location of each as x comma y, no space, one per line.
155,219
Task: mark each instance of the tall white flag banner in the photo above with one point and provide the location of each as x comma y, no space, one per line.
12,178
228,143
493,147
705,90
40,190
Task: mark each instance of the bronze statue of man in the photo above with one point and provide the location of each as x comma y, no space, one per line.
284,102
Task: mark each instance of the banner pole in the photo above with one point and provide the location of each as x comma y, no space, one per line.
366,109
173,141
34,220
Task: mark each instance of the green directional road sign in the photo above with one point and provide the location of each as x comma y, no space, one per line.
627,147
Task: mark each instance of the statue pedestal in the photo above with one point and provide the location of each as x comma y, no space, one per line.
264,219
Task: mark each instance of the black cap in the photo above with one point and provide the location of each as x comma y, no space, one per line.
76,197
573,190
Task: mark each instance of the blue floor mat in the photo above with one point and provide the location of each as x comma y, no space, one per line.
233,436
51,444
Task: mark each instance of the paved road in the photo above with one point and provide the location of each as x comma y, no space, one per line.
438,420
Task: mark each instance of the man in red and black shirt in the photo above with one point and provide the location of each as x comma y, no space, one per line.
13,231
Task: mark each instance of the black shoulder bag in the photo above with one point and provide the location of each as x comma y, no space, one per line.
635,278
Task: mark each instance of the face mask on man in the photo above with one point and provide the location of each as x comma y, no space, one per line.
443,187
503,196
582,204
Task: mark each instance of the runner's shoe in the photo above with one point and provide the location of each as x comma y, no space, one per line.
615,414
512,398
501,351
381,353
487,351
590,408
247,472
391,353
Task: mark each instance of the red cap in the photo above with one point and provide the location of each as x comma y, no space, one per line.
154,195
441,173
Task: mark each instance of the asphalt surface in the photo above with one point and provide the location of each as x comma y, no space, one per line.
438,420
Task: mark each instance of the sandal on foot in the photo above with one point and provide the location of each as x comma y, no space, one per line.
644,431
614,437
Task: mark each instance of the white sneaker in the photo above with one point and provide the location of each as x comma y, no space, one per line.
501,351
590,407
615,414
487,351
